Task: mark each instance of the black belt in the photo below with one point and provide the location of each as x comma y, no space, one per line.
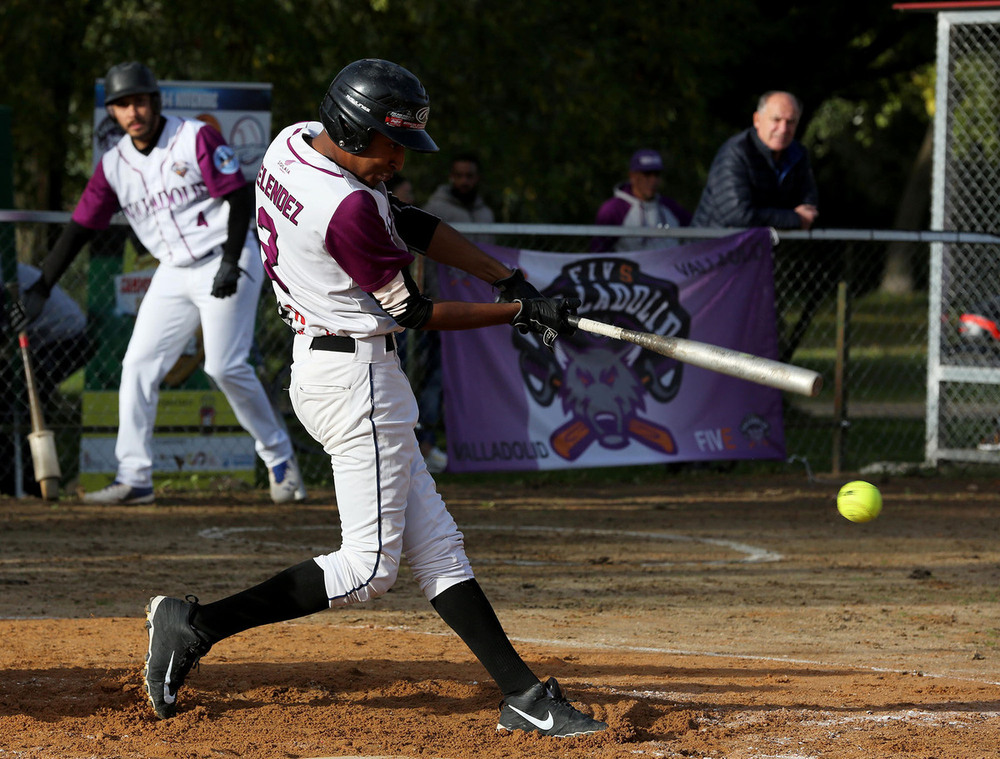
344,344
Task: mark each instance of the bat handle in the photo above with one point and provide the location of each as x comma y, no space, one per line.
37,418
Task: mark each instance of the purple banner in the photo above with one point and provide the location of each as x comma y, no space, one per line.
512,404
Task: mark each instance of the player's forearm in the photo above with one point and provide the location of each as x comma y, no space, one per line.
240,210
451,248
451,315
74,236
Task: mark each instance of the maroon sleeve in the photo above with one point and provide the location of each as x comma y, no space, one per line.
359,241
98,203
679,211
219,164
611,214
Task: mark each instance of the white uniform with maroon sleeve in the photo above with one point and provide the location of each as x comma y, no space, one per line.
172,198
335,262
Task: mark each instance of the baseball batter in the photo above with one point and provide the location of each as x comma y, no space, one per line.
336,248
180,187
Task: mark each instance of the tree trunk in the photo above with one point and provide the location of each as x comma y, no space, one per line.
898,275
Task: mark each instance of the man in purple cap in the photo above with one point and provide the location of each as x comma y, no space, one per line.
637,203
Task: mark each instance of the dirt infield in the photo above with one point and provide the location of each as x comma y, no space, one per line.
703,616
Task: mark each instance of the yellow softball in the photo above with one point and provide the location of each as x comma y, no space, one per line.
859,501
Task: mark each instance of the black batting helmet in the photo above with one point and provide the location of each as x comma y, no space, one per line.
377,95
131,78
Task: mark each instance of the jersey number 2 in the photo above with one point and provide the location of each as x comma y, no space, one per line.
269,246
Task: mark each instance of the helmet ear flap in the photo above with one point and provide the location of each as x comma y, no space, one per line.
345,134
354,139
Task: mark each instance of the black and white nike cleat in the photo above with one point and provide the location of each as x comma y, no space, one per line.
543,709
174,648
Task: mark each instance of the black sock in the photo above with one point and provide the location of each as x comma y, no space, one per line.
465,608
293,593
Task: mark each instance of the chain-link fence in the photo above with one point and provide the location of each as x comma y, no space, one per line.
871,348
964,364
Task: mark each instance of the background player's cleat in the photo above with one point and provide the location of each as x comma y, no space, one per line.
286,482
543,709
174,648
120,493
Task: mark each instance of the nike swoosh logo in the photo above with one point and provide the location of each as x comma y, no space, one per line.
167,696
541,724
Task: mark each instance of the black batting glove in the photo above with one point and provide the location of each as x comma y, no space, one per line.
546,317
28,307
225,279
515,287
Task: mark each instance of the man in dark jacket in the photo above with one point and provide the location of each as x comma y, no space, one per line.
761,177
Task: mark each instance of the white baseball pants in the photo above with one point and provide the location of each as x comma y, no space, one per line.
178,300
361,408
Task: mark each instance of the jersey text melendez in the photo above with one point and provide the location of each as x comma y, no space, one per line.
328,241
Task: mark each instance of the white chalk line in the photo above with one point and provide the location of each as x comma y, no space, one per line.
597,645
751,554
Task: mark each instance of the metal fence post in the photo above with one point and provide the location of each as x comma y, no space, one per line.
843,351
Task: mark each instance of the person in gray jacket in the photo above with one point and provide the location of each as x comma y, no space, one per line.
456,202
761,177
459,201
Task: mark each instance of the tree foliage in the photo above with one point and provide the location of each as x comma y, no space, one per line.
553,96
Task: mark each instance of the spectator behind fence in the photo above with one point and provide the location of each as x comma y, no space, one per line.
460,201
59,346
761,177
637,203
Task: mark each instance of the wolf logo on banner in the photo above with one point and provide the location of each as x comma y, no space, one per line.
603,384
512,404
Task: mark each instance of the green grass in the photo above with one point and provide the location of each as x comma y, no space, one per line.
887,360
886,367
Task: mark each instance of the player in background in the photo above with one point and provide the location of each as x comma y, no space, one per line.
337,247
180,187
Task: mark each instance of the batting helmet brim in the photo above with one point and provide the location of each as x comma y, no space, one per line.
412,139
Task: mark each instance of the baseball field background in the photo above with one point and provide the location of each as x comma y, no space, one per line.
701,614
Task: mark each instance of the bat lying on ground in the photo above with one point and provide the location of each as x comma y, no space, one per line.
40,439
763,371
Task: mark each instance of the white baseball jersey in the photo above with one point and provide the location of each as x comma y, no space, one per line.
336,263
172,196
328,241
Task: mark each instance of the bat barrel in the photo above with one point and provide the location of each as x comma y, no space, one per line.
763,371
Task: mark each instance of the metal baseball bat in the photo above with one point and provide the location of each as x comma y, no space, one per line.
763,371
41,440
